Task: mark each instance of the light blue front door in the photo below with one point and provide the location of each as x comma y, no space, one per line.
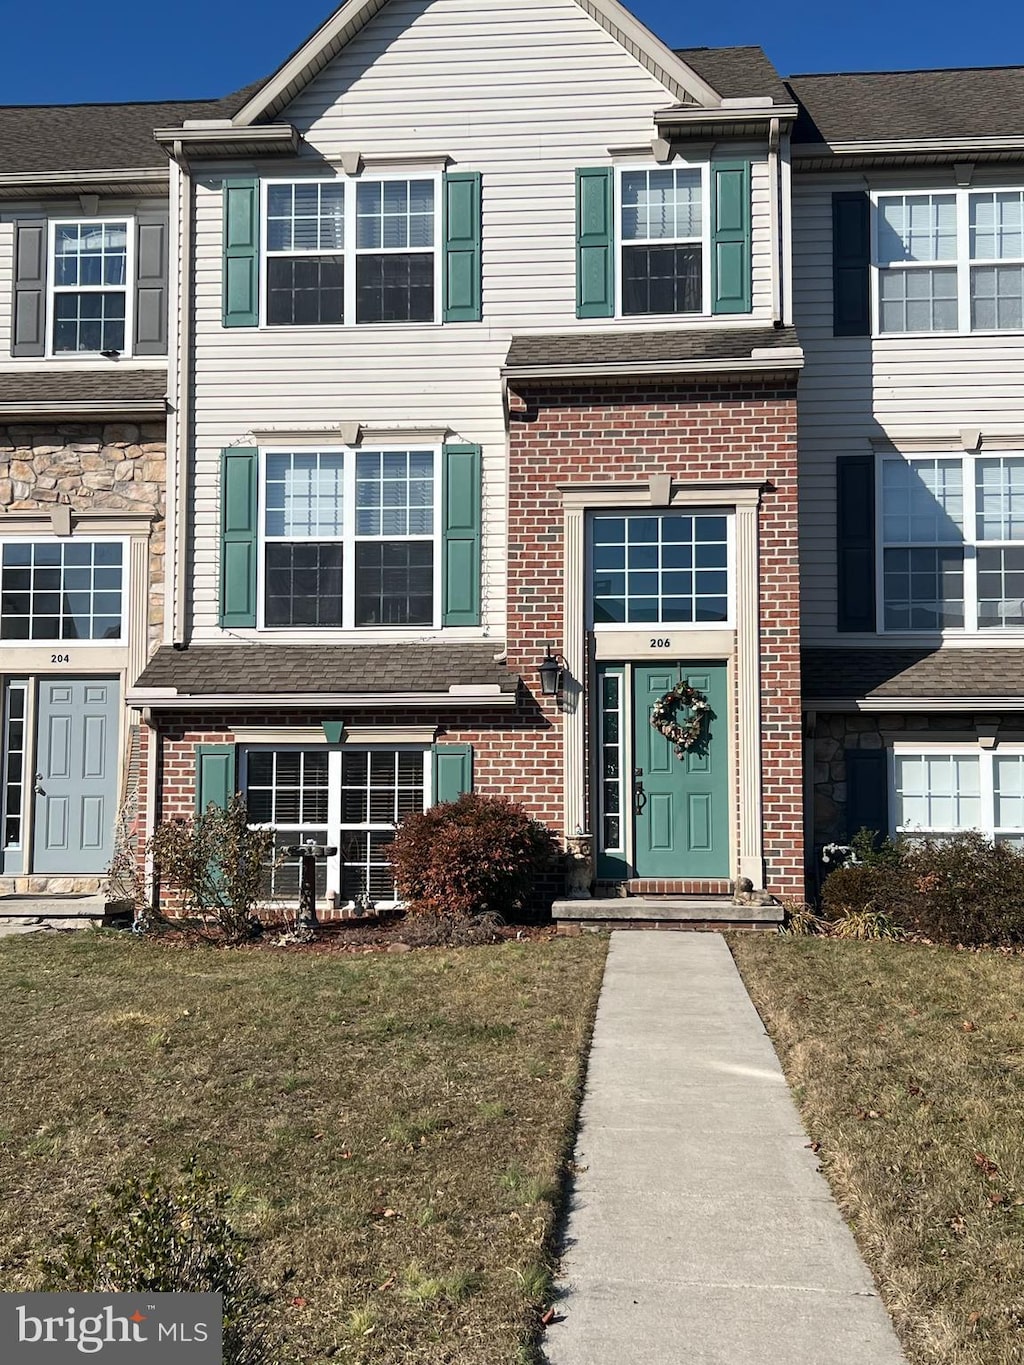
75,774
681,820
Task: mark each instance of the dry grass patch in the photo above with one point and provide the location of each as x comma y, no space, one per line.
908,1065
363,1111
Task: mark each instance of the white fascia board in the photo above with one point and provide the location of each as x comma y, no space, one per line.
143,407
733,113
896,146
270,137
40,180
784,358
161,698
322,46
881,705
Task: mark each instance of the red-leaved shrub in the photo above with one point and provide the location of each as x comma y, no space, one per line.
466,857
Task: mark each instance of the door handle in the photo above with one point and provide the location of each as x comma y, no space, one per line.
38,789
639,797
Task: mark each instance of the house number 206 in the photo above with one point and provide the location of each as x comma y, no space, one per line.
659,642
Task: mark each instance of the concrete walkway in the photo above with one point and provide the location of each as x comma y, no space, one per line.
700,1230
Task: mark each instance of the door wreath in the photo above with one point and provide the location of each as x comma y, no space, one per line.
683,735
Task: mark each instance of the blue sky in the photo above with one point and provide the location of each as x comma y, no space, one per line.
64,52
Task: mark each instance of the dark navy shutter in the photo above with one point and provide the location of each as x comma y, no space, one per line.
452,771
595,242
215,775
460,591
28,332
867,791
731,282
151,284
855,526
851,264
239,470
241,253
462,295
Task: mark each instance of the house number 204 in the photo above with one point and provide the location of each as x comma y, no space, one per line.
659,642
60,658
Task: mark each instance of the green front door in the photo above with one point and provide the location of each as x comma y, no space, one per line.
681,820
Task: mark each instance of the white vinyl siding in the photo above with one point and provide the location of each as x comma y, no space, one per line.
487,85
858,390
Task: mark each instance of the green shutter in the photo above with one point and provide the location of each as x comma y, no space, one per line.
867,791
851,264
462,294
595,242
215,775
239,470
855,543
241,253
462,512
453,771
730,237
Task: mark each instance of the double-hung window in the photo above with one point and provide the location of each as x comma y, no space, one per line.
351,250
349,798
939,792
349,538
61,590
952,542
91,271
951,261
662,222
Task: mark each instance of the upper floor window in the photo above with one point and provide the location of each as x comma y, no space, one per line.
952,542
950,262
351,251
672,568
662,241
61,590
91,273
349,538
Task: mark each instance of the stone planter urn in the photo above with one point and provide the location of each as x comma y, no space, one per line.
579,859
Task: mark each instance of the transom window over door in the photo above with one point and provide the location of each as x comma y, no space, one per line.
662,230
61,590
91,270
349,538
670,568
952,542
351,250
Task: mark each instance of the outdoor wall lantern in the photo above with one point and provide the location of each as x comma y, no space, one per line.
552,673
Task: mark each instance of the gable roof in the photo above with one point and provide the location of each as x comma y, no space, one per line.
737,72
308,60
41,138
905,106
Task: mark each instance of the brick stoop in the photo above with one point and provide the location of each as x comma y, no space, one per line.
663,912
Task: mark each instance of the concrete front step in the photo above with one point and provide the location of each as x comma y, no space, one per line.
69,910
664,912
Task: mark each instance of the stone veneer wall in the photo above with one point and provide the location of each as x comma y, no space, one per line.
94,467
834,734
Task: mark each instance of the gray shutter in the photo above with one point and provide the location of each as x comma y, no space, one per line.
855,526
151,284
28,334
867,791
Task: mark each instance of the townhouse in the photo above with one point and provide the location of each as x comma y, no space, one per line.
513,371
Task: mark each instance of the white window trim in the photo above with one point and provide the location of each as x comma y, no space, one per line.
962,264
62,646
625,761
333,822
986,759
705,192
12,856
52,290
661,627
349,253
348,540
969,544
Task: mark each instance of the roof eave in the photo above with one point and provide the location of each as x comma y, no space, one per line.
897,703
955,146
734,112
49,184
267,139
124,407
168,699
782,358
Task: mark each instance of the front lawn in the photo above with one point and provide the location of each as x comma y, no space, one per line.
908,1065
392,1127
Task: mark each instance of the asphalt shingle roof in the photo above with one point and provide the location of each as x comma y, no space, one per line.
863,673
613,347
206,670
866,106
113,386
737,72
35,139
